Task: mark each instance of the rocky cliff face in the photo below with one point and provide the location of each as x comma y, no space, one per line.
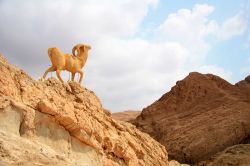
49,123
200,116
238,155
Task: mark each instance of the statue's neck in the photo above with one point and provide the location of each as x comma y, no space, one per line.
83,58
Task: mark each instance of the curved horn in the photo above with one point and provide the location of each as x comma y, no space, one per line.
74,50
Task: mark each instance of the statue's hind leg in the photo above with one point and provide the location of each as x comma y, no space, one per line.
81,76
50,69
58,71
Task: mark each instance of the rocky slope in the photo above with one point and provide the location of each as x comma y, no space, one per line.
50,123
200,116
237,155
125,115
244,85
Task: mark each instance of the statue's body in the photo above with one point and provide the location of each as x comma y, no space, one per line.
73,64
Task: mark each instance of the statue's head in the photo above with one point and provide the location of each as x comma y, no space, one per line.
80,48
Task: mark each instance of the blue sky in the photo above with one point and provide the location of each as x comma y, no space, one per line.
140,48
223,8
230,55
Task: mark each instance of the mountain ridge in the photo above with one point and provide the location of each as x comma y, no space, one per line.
200,116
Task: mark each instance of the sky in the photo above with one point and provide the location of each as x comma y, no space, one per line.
140,48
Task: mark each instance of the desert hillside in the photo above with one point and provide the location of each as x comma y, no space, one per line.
238,155
50,123
126,115
200,116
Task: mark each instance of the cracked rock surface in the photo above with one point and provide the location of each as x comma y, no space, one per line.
50,123
199,117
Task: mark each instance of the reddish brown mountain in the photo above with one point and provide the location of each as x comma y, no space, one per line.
200,116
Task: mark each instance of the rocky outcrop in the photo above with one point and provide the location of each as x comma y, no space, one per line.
126,116
200,116
244,85
234,156
49,144
50,123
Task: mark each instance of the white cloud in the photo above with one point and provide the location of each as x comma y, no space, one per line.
247,17
193,26
189,28
233,26
246,68
188,25
117,69
213,69
133,72
127,72
30,27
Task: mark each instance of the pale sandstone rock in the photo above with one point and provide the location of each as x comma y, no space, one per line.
50,143
50,123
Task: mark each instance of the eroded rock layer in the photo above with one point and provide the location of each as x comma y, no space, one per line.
237,155
50,123
200,116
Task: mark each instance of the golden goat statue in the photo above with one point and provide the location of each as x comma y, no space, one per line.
73,64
